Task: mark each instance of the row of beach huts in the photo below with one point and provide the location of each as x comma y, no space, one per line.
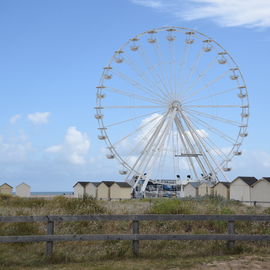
245,189
21,190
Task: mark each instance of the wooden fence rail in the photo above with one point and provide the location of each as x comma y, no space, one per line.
135,237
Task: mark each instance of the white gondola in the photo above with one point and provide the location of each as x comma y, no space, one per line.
171,38
234,77
107,76
207,48
119,60
100,96
123,172
244,134
242,95
99,116
222,61
110,156
152,40
101,137
189,41
134,48
244,115
226,169
237,153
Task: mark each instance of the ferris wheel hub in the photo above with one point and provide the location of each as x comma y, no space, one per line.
175,105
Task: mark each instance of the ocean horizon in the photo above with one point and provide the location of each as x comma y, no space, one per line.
55,193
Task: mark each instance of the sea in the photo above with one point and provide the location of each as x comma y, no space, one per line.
55,193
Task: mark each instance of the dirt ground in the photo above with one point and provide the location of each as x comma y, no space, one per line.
247,262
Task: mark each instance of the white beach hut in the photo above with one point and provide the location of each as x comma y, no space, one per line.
23,190
241,188
260,193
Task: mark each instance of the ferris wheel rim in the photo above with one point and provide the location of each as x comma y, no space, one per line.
244,120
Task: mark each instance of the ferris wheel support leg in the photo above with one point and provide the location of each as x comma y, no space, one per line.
198,142
159,145
146,149
190,147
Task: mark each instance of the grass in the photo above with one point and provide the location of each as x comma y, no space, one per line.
118,254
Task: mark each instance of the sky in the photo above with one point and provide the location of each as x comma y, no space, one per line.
51,57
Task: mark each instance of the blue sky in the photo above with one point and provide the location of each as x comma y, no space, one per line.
51,58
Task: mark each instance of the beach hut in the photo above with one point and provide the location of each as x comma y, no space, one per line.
241,187
103,190
260,193
205,189
91,189
191,189
222,189
120,190
79,189
23,190
6,189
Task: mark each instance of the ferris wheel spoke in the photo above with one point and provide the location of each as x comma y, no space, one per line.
131,107
214,81
212,106
139,129
156,74
192,69
202,75
182,65
210,141
171,69
137,84
212,95
213,117
131,95
163,73
212,129
131,119
152,83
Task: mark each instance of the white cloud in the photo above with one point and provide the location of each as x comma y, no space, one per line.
75,147
39,118
149,3
228,13
15,118
14,152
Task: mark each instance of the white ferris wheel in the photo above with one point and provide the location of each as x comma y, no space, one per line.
172,102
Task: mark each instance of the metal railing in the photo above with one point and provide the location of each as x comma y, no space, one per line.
135,236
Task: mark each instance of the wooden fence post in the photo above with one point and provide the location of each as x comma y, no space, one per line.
231,243
135,243
49,244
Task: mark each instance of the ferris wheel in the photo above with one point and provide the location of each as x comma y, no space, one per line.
172,102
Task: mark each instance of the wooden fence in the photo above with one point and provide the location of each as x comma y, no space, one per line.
135,237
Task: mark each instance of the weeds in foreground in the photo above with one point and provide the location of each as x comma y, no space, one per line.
32,254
